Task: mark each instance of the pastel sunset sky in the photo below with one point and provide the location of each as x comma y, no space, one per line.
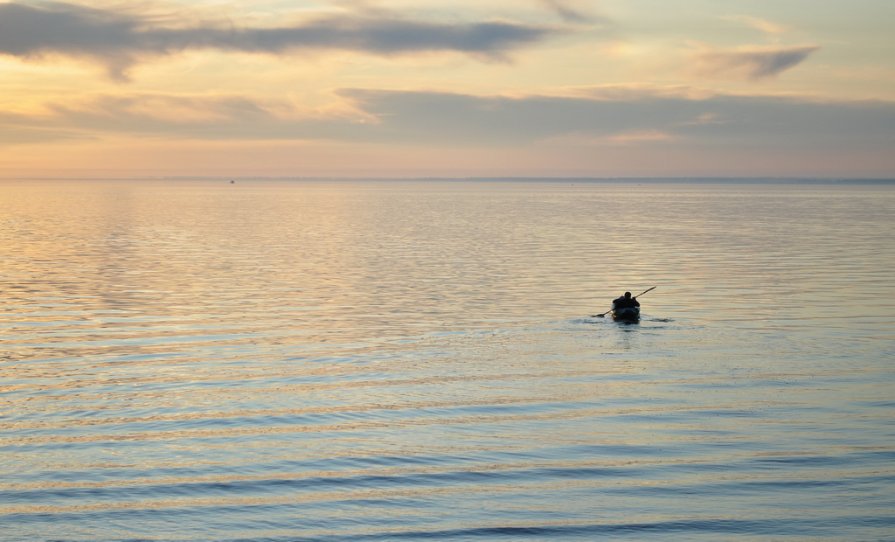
447,88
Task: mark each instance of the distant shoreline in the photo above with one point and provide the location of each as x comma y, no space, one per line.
556,180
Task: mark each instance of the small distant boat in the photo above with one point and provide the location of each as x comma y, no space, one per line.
629,311
626,314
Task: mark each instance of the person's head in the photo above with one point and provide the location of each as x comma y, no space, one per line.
627,295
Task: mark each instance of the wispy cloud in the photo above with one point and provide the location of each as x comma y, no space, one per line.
570,14
716,118
762,25
640,117
118,40
752,63
641,132
179,117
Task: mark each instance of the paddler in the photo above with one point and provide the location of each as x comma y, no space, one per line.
625,302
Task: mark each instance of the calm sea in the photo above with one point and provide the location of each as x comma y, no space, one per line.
200,360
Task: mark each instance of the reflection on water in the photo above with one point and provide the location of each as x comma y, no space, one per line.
201,360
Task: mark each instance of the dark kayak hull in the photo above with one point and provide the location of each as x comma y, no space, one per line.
627,314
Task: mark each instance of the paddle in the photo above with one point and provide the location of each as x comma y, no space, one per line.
610,310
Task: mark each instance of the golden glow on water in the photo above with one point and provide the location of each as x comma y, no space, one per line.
327,359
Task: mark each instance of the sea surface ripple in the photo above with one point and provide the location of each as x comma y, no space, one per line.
199,360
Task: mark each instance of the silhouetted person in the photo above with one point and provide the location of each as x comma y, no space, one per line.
625,301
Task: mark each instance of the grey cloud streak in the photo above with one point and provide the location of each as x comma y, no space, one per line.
118,40
568,13
715,120
755,64
431,118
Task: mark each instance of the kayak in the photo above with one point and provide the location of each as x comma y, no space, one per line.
626,314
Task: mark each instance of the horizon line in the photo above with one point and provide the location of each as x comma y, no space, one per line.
472,178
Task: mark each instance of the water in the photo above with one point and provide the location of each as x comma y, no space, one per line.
197,360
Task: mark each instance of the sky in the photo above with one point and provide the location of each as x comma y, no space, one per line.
447,88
